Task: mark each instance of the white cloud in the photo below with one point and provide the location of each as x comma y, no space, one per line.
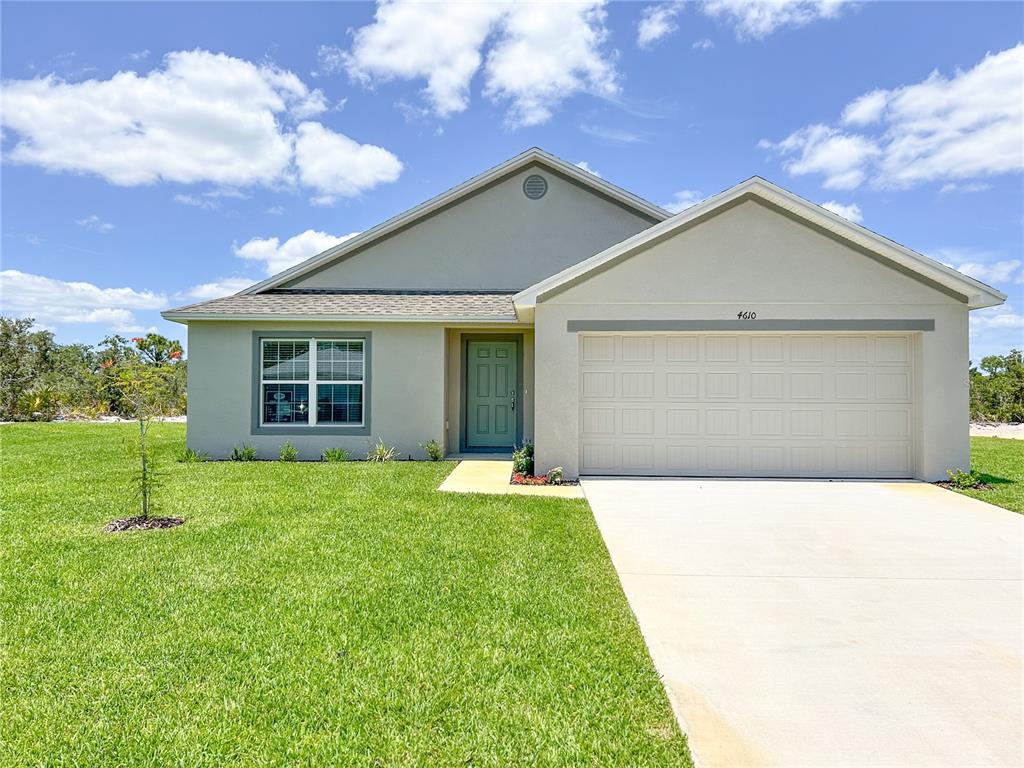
1003,271
440,43
138,55
95,224
277,256
330,59
616,135
55,302
991,267
841,157
276,210
987,266
975,186
199,117
756,19
215,289
196,202
337,166
1002,316
948,129
851,211
705,43
866,109
548,53
540,54
682,200
586,167
656,22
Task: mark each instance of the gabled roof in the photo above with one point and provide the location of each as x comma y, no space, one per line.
975,293
534,156
337,305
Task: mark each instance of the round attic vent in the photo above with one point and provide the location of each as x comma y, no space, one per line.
535,187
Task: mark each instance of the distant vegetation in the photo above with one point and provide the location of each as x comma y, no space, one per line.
41,380
997,388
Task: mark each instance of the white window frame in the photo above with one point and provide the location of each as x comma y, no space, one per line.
312,381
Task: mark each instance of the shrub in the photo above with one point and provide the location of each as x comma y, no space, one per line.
288,452
555,475
244,452
381,452
191,456
997,389
336,454
433,449
522,459
963,480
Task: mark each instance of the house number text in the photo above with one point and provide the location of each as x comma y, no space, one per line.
746,315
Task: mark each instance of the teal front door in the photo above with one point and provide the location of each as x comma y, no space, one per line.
492,374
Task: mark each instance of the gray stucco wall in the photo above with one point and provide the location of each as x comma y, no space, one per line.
750,258
407,405
497,238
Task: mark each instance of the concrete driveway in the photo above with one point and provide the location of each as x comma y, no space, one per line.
804,623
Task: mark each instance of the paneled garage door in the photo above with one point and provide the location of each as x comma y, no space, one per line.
747,405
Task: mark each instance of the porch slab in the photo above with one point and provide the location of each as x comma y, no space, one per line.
492,476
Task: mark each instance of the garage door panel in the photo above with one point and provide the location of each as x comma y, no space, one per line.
649,411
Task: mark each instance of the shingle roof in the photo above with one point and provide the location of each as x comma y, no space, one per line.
485,305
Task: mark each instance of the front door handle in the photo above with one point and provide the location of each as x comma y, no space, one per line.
513,399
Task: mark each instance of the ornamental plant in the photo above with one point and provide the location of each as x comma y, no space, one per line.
522,459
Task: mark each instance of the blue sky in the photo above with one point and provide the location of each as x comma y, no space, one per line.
153,152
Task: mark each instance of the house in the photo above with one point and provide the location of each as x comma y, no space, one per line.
754,334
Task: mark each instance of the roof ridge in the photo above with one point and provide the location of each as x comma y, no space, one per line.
389,292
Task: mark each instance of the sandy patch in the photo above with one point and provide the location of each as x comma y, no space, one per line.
1012,431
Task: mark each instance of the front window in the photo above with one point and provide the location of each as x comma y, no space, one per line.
297,373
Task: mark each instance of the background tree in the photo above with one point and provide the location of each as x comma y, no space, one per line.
40,379
997,389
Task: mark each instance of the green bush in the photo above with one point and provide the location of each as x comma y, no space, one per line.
336,454
191,456
963,480
381,452
997,389
41,379
244,452
288,452
433,449
522,459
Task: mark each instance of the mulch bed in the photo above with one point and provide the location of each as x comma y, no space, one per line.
518,478
140,523
979,487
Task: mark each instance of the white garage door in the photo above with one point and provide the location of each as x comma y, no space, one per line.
747,405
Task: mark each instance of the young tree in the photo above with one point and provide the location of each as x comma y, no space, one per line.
142,389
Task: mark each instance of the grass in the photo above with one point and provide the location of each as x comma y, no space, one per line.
1000,462
307,614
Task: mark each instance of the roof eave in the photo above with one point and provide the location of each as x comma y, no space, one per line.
186,317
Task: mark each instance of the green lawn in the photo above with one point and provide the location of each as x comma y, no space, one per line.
307,614
1000,462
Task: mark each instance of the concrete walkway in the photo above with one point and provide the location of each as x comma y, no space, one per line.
826,624
493,475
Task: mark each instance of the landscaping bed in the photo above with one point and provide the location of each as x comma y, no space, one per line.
999,463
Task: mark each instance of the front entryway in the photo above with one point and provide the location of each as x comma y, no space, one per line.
492,384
